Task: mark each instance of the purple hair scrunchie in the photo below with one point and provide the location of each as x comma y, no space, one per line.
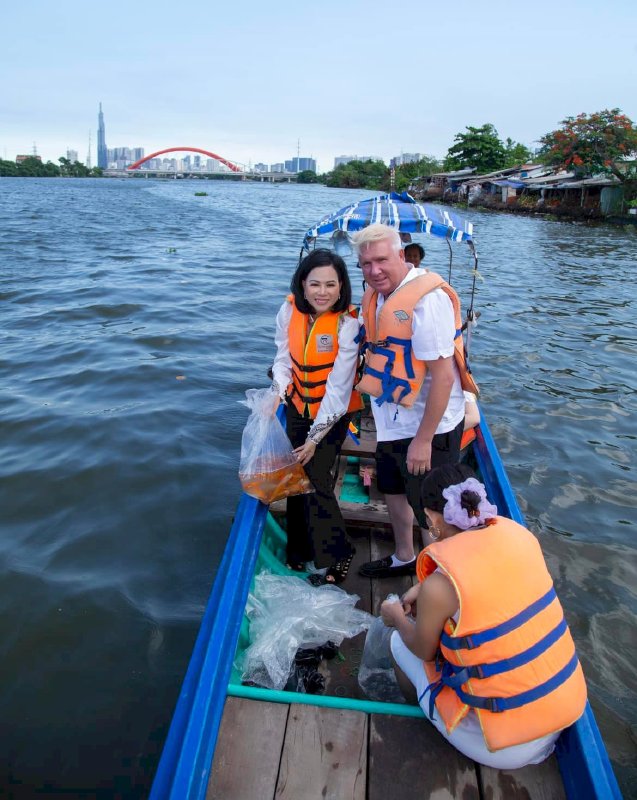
455,514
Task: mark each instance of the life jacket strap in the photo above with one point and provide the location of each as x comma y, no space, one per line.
304,398
309,367
476,639
499,704
308,384
389,383
459,674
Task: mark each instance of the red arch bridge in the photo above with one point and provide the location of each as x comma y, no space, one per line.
233,170
231,166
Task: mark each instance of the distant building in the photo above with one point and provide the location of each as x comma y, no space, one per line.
102,153
138,152
302,164
71,156
405,158
21,158
260,167
277,167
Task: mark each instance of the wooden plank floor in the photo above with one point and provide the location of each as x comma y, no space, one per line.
297,752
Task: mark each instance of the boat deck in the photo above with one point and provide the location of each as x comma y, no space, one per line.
301,752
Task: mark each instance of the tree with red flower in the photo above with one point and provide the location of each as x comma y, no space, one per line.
604,142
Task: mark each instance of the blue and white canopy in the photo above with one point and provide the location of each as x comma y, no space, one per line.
399,211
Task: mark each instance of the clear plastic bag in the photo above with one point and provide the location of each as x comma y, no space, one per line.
268,469
376,675
287,613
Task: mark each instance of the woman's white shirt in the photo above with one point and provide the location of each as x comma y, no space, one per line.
340,380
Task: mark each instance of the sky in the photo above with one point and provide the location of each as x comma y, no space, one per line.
252,81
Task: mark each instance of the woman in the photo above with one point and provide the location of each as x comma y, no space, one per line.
314,372
482,639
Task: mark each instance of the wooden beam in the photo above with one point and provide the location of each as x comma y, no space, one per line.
409,759
246,761
324,755
539,781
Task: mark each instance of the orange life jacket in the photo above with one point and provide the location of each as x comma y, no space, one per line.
391,372
510,656
313,352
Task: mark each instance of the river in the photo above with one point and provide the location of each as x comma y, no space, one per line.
134,316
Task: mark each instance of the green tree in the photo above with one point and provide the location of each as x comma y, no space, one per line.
8,169
516,154
479,147
359,175
405,174
307,176
593,144
33,168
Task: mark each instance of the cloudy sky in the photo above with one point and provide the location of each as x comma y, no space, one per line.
248,80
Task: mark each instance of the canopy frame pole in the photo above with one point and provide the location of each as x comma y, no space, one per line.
471,315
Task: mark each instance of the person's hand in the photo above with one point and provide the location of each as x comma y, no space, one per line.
305,452
419,457
409,600
392,613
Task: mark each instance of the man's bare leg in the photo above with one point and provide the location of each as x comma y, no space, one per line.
401,516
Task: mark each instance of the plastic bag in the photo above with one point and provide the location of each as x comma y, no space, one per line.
376,675
268,469
287,613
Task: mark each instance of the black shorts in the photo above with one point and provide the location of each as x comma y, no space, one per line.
392,476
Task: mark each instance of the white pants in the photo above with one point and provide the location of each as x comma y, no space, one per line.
467,736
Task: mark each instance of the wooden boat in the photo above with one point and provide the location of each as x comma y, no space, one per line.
228,741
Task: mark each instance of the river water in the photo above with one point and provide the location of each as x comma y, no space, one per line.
134,316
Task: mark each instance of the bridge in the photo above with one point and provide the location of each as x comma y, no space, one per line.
231,171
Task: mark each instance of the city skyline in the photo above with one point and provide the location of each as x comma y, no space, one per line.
372,82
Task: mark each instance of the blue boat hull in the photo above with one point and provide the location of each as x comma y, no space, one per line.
184,768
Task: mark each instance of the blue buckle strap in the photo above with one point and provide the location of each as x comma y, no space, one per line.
476,639
435,688
461,674
360,335
389,384
407,347
499,704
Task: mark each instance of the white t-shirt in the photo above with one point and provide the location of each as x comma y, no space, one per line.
340,380
433,333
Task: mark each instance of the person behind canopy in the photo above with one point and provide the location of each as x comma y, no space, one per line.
313,373
414,253
481,642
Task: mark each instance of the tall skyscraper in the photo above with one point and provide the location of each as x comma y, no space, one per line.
102,157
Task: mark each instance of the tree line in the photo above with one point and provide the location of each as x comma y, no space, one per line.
32,167
589,144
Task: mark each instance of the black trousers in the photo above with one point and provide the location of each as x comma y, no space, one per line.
316,528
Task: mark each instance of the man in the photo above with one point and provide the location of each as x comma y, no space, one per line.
412,376
414,253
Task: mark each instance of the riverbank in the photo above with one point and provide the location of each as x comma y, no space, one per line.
564,212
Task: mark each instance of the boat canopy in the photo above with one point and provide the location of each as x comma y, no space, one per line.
399,211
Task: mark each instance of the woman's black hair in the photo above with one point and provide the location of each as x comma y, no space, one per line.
421,249
321,258
441,478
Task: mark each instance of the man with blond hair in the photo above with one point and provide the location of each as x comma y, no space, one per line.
419,421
